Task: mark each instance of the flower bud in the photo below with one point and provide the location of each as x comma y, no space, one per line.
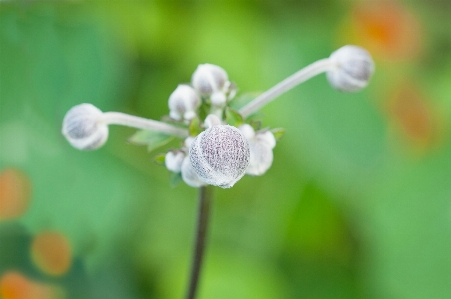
267,137
247,131
260,146
352,70
220,155
173,161
83,127
211,120
188,141
211,81
183,103
261,158
189,176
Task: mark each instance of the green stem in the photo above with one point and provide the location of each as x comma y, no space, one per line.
205,200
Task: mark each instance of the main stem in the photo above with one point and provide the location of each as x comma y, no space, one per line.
297,78
205,199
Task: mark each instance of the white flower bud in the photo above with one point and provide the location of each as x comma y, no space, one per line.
83,127
211,120
261,157
211,80
247,131
189,141
267,137
220,155
218,98
189,176
183,103
352,70
173,161
261,146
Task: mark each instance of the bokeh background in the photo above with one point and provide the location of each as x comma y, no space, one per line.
357,203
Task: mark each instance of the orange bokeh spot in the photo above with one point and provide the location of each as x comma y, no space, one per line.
413,116
14,285
386,29
52,253
15,191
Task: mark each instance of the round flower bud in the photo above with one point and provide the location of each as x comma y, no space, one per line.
267,137
218,98
212,81
188,141
261,153
247,131
352,70
189,176
173,161
211,120
220,155
83,127
183,103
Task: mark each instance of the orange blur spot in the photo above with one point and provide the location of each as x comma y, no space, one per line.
412,115
52,253
14,285
15,191
386,29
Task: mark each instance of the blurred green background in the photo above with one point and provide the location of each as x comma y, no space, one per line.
357,203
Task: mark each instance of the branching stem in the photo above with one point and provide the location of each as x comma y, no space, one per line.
297,78
118,118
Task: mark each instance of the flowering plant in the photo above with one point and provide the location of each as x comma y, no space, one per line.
219,144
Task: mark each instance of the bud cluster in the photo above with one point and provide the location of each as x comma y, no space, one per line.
217,150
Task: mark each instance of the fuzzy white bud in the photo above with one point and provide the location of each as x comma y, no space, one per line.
211,80
261,146
83,127
220,155
183,103
188,141
211,120
352,68
173,161
189,176
247,131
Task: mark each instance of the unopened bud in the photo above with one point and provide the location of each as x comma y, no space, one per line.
211,120
260,146
211,81
83,127
173,161
220,155
352,68
247,131
190,176
183,103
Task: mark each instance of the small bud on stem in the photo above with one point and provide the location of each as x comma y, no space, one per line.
348,69
86,126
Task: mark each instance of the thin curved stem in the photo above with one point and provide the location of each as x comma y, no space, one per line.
297,78
118,118
205,200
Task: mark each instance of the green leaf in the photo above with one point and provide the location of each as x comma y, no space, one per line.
152,139
194,127
256,124
176,178
159,159
278,133
233,117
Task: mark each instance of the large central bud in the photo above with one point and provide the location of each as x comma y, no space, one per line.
220,155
